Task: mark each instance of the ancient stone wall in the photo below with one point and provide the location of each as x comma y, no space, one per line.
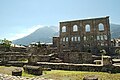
76,57
115,50
81,67
39,58
37,50
55,41
88,34
18,49
12,56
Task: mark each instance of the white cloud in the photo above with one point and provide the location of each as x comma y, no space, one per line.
33,28
24,32
16,36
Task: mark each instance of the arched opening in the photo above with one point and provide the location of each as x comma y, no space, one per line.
72,39
105,37
102,44
87,28
75,38
64,29
101,27
98,37
78,38
66,39
101,37
85,38
75,28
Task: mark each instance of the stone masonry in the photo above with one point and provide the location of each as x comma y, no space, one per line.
87,34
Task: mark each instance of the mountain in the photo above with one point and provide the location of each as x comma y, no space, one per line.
115,30
45,34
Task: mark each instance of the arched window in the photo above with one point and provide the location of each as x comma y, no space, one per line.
72,38
101,27
64,29
102,44
61,39
75,28
87,28
105,37
98,37
66,39
78,38
101,37
75,38
85,38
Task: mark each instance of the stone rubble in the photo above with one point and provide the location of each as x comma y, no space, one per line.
10,77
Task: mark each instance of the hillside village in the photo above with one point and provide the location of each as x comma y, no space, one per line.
82,45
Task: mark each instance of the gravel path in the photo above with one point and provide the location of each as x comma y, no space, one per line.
10,77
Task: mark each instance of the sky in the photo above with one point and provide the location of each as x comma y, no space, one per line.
19,18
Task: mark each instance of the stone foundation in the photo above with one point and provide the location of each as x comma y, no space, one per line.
76,57
80,67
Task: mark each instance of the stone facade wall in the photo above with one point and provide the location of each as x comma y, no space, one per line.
81,35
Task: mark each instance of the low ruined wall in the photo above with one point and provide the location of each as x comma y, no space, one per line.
12,56
81,67
44,58
72,67
40,58
18,49
37,50
76,57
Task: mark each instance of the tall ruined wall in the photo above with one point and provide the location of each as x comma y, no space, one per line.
81,35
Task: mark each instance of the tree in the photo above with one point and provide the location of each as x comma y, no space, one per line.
5,44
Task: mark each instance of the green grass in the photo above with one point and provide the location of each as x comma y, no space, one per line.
27,75
8,70
64,75
78,75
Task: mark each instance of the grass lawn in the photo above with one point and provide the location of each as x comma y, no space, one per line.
8,70
65,75
78,75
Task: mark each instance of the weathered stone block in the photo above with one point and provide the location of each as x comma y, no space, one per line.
17,72
35,70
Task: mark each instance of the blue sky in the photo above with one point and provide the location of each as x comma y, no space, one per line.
19,18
